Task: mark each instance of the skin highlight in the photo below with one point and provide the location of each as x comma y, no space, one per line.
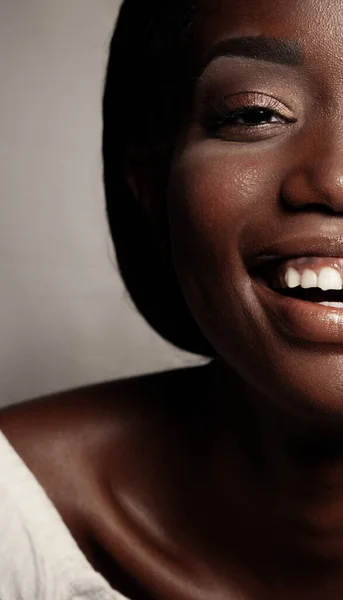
226,481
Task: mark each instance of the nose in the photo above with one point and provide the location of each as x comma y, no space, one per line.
316,184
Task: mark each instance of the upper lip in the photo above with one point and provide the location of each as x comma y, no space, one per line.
296,247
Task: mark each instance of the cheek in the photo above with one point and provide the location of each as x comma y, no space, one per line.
216,191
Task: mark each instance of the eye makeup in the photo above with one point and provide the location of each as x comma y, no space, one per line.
247,112
242,100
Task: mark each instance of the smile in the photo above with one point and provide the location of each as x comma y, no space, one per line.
303,293
310,279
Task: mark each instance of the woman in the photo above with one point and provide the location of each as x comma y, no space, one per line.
223,153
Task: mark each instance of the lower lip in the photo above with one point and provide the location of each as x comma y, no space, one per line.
308,321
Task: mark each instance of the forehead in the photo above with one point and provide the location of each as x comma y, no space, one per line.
316,25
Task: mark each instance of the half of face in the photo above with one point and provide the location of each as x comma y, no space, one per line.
255,195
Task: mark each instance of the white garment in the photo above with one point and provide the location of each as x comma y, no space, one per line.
39,559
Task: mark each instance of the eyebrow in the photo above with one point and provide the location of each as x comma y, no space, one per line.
258,48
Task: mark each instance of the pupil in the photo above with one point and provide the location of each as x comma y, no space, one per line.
256,115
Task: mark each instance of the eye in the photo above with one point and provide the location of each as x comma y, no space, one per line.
254,117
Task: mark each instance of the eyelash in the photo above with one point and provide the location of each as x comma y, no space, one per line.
220,116
231,115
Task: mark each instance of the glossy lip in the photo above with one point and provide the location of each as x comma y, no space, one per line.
307,321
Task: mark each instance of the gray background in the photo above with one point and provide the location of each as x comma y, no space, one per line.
65,319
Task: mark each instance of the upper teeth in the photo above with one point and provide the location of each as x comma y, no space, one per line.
328,279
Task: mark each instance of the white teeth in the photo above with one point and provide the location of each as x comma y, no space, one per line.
329,279
309,279
292,278
332,304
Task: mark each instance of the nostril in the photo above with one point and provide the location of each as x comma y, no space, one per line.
322,208
315,186
312,208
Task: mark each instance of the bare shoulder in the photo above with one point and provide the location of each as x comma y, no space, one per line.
67,417
68,439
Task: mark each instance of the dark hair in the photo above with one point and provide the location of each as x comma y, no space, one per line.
149,58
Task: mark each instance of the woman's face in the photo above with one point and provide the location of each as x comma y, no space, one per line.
256,194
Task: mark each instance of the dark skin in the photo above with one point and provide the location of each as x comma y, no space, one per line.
225,481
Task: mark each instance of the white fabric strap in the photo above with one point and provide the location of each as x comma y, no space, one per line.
39,559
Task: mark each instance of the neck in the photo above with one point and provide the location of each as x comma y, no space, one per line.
299,436
289,465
